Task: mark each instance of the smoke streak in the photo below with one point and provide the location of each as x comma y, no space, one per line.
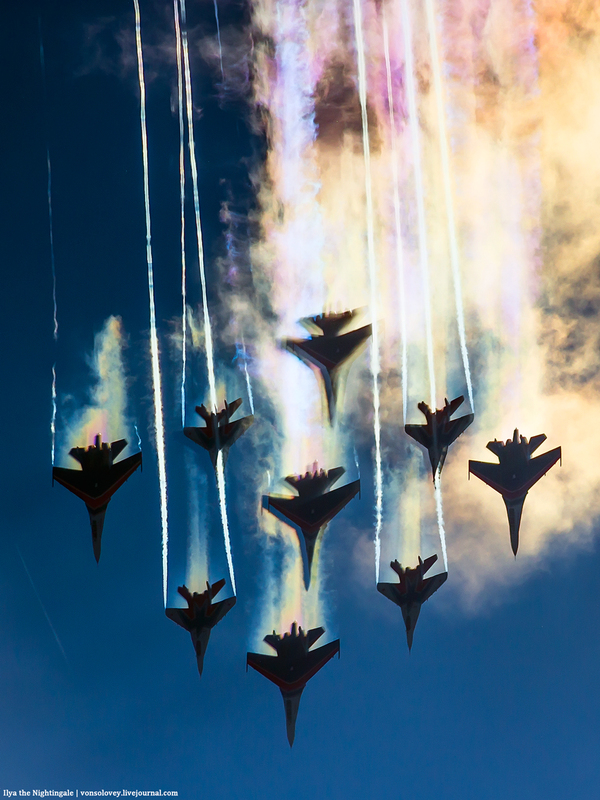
418,172
53,417
362,87
219,39
54,633
207,325
449,202
156,375
182,210
397,225
440,517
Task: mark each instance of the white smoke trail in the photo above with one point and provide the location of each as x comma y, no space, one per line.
445,160
207,325
219,39
362,90
54,633
440,516
422,225
395,182
156,376
53,418
247,376
182,210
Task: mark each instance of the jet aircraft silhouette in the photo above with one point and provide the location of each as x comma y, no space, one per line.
201,615
293,666
97,480
328,350
313,508
516,473
412,591
220,432
438,433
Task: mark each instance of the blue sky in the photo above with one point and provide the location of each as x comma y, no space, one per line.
499,695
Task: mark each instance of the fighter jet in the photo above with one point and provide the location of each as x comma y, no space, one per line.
328,350
201,615
97,480
412,591
438,433
220,432
293,666
313,507
516,473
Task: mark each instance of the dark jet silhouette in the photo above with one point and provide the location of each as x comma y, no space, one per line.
313,508
220,432
328,350
201,615
293,666
97,480
412,591
438,433
516,473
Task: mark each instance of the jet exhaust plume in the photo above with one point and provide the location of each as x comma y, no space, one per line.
397,224
156,373
219,39
182,208
448,198
373,293
208,341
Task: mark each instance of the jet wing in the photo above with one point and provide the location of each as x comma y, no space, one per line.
429,586
310,515
454,427
97,489
202,620
290,676
514,484
420,434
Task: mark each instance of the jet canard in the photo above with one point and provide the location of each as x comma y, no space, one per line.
97,480
516,473
327,350
412,591
439,431
293,666
220,432
313,507
201,615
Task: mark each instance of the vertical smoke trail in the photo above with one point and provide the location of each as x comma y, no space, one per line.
362,89
207,326
395,181
423,250
440,516
53,418
182,209
52,261
443,140
156,377
422,225
54,633
219,39
247,376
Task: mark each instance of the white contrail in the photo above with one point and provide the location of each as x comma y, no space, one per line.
440,516
395,182
156,377
53,418
453,244
219,39
375,367
423,250
182,209
422,225
247,375
54,633
207,325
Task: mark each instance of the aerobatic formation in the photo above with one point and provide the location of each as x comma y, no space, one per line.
334,343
